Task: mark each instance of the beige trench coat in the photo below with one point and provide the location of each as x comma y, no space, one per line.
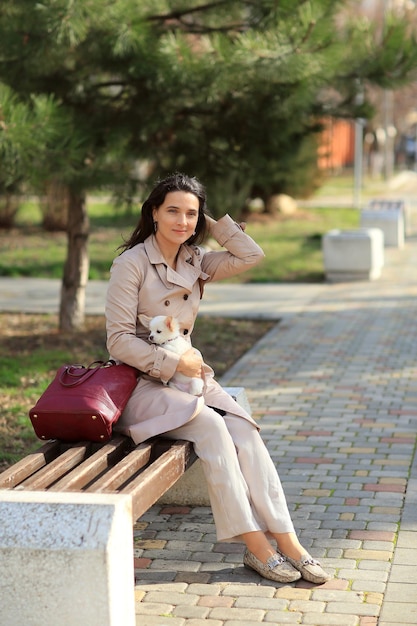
142,283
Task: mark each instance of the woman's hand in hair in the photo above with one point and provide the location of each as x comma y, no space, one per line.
211,221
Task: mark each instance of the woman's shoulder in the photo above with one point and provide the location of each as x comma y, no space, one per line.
133,258
131,253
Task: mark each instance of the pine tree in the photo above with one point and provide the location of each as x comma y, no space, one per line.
231,91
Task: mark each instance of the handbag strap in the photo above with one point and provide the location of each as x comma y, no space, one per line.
80,373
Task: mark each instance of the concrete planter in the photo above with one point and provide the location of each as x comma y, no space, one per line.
387,215
353,254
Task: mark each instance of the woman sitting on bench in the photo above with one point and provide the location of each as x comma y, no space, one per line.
162,271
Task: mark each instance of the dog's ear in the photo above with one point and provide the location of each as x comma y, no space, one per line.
169,323
144,320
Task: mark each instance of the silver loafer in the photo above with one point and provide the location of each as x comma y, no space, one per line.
276,568
310,569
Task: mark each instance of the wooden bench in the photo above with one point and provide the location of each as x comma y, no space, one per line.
145,472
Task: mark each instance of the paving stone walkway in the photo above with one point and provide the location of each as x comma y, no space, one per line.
334,387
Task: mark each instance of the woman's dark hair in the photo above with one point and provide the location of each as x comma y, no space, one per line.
175,182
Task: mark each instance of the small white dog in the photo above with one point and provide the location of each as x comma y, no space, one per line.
165,332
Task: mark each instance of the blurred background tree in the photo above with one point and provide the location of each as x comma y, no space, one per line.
114,93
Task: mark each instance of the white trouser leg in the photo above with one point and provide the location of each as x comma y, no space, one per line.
266,494
244,487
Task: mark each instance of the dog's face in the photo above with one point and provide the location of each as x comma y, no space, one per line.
162,328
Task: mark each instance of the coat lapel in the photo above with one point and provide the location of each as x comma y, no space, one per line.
186,274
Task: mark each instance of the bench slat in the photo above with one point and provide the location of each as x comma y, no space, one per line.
57,468
88,470
145,472
18,472
124,470
155,480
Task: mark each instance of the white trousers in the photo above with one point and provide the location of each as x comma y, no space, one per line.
244,488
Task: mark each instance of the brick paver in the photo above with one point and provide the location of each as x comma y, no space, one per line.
334,387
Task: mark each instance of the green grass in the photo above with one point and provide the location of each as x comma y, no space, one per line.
27,250
292,245
343,185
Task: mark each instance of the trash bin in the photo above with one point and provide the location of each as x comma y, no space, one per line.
388,215
353,254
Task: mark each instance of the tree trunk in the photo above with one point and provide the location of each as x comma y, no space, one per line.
74,282
55,205
9,205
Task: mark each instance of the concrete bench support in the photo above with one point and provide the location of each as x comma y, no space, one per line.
353,254
389,217
191,489
66,558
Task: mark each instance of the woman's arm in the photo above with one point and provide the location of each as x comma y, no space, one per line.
241,253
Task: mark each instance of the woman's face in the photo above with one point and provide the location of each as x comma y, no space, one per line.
176,218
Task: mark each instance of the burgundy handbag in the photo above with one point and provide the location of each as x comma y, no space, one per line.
83,403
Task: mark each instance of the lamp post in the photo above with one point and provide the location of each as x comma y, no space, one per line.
358,158
387,107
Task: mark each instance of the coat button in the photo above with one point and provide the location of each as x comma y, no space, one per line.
167,303
185,296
